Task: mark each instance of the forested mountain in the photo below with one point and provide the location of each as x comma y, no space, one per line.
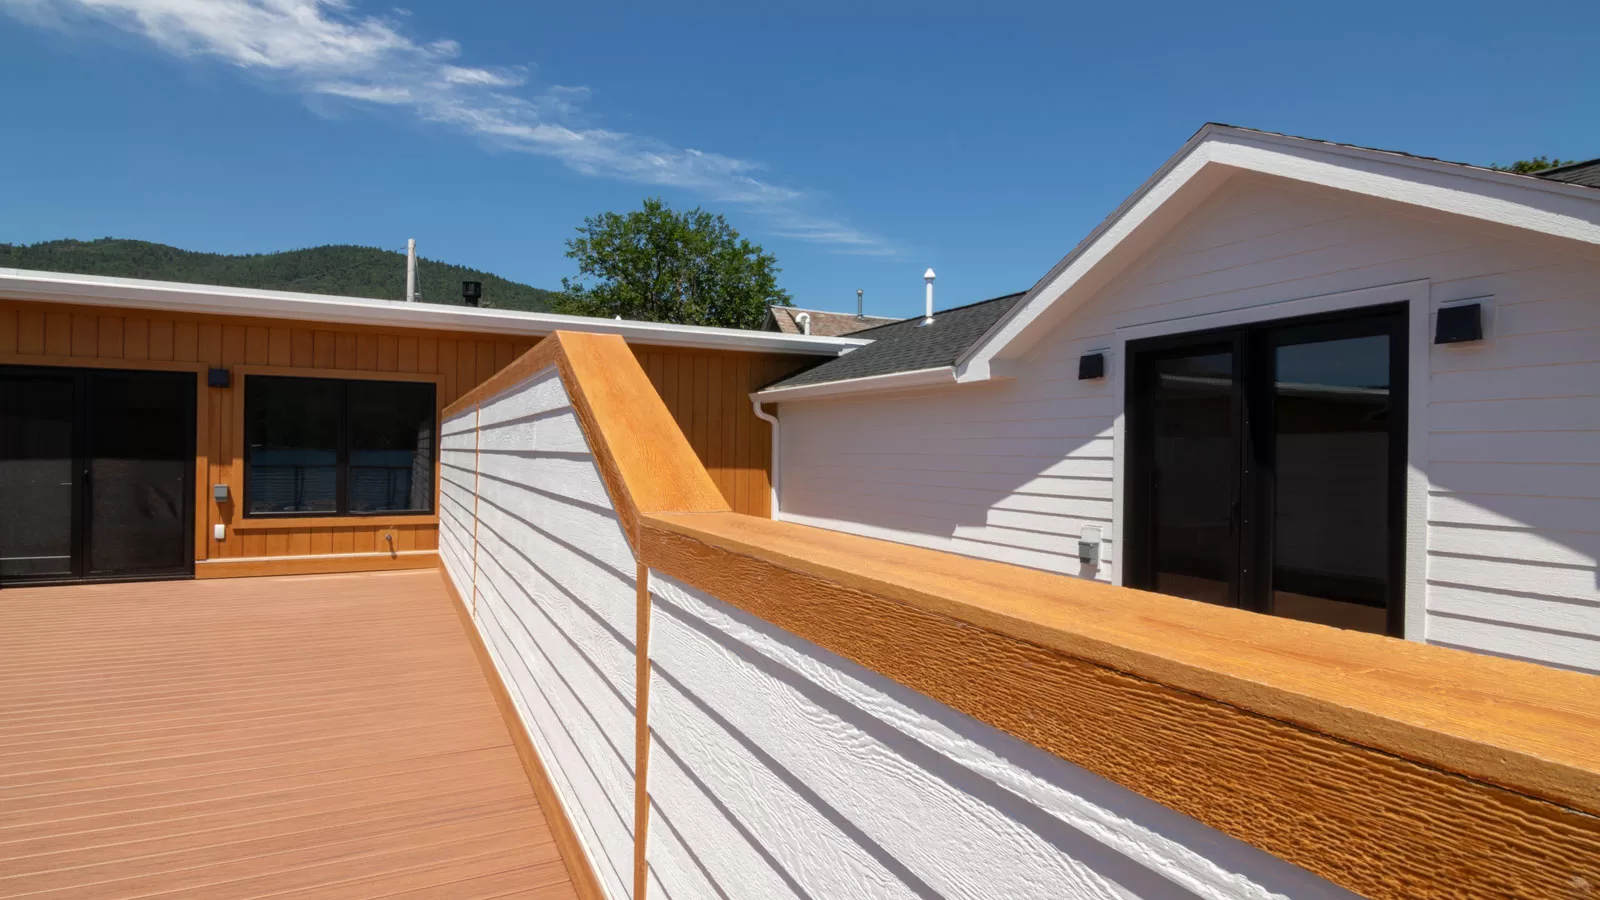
335,269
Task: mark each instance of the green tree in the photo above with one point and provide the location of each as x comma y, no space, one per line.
1529,166
659,265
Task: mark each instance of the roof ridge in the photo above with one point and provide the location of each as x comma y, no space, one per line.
831,312
939,312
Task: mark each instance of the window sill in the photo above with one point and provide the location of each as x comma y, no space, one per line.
286,523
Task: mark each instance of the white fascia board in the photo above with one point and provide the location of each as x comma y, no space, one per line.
916,378
134,293
1520,201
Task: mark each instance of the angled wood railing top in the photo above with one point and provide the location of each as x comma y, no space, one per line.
647,463
1393,768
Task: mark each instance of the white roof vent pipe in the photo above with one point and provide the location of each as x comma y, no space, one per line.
804,321
928,276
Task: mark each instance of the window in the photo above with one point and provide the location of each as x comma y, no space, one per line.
319,446
1267,467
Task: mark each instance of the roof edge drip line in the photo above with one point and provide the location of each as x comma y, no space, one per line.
133,293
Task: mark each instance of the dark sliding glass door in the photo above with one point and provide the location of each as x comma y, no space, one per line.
96,474
1267,467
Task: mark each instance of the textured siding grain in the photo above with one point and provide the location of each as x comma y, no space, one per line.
779,769
553,576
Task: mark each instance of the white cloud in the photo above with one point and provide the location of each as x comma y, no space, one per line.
326,48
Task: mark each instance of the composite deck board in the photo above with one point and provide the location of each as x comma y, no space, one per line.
327,737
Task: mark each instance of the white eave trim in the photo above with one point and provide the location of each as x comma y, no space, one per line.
1553,208
916,378
134,293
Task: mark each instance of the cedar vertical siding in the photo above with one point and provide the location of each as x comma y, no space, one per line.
731,442
707,392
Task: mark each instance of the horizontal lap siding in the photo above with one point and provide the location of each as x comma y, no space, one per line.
458,514
779,769
56,334
1014,470
556,605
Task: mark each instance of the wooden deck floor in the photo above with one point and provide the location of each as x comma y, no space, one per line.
315,736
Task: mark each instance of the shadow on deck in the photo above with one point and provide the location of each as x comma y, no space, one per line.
316,736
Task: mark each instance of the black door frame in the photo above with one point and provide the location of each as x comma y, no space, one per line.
1253,346
83,485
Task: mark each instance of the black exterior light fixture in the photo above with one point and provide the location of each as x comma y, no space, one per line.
1459,324
471,292
1091,366
218,378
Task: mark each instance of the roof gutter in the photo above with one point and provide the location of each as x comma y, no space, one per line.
894,381
136,293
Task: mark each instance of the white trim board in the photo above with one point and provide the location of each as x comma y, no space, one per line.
1416,296
136,293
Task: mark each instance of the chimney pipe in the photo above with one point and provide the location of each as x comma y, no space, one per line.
860,310
411,270
804,321
928,277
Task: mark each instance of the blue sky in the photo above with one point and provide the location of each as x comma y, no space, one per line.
859,142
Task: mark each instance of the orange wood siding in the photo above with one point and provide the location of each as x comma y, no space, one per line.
708,393
705,390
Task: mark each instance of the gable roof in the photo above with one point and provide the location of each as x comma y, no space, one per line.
1584,173
824,323
1561,202
907,345
1540,204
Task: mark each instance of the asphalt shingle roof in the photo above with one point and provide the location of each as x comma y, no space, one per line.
908,345
1584,173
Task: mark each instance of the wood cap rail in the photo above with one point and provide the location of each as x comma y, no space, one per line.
1393,768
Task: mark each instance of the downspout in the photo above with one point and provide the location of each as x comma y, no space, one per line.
777,469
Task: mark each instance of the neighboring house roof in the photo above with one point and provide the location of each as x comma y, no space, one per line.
823,322
1584,173
908,345
138,293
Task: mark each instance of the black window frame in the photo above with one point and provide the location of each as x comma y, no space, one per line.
341,466
1253,412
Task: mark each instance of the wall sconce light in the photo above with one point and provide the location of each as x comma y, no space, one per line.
1091,366
1459,324
218,378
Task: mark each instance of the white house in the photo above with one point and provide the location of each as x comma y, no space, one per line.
1322,381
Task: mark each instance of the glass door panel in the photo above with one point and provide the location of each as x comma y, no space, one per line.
37,476
1267,464
141,460
1194,482
1333,485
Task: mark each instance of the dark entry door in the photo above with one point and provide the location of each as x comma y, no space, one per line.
96,474
1267,467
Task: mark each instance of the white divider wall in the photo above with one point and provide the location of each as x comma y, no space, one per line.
779,769
556,606
458,470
